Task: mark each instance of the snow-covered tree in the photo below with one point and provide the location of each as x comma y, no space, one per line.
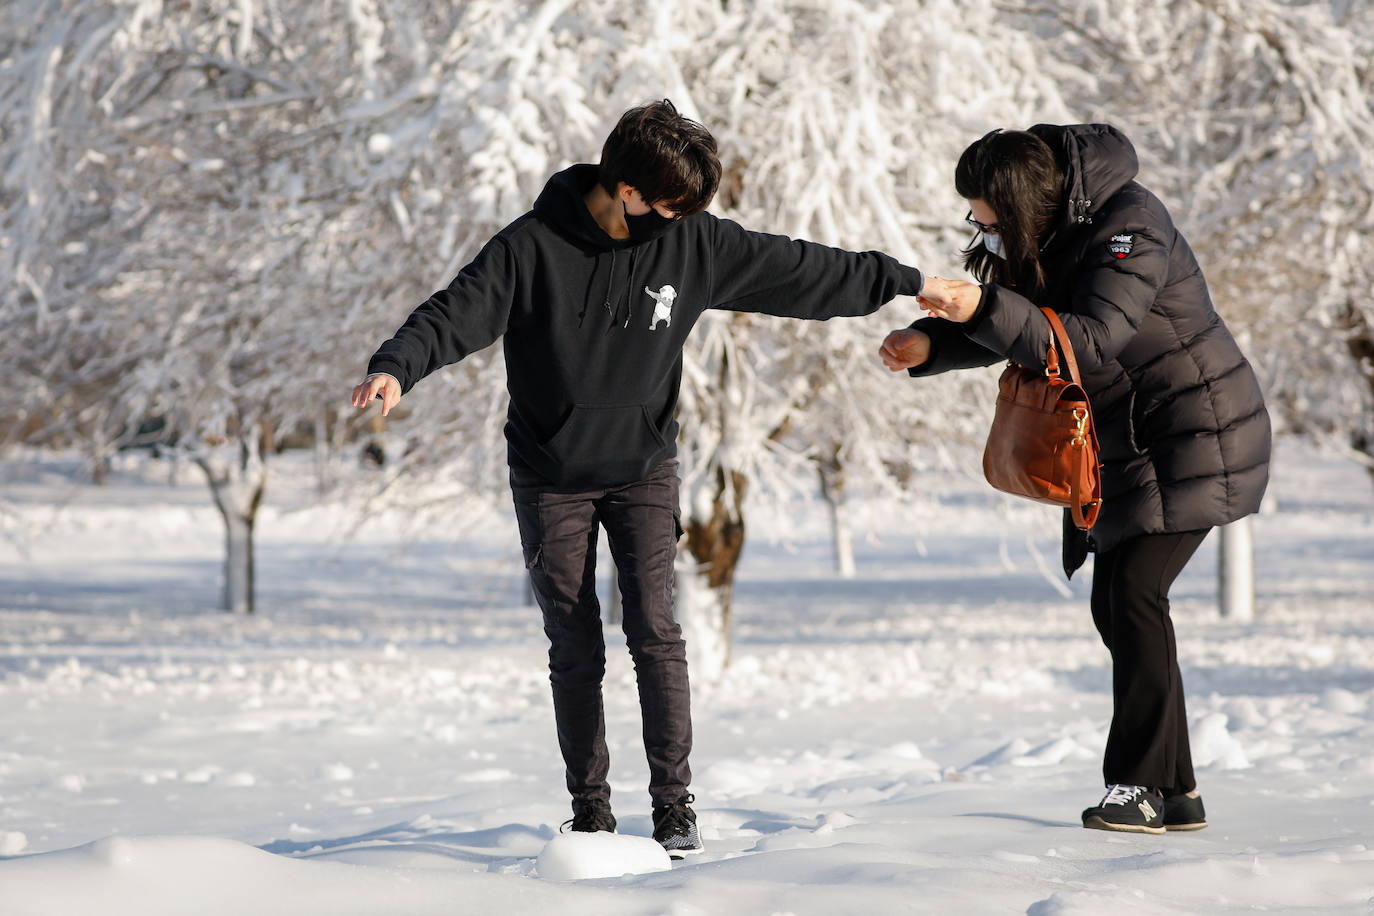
180,212
211,213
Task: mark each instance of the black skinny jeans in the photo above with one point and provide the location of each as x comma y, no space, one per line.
1148,741
558,532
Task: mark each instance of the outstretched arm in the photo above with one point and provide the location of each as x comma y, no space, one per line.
1115,289
791,278
463,318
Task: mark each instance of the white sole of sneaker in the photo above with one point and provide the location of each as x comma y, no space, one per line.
1097,823
684,853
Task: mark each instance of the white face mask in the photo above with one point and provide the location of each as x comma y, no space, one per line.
993,243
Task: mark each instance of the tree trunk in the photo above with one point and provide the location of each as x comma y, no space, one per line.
237,484
1236,571
1361,344
100,470
324,477
615,607
705,584
238,563
831,473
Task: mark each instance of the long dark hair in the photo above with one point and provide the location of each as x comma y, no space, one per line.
1016,174
669,159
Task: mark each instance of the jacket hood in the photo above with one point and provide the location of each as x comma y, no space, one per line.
1098,162
561,205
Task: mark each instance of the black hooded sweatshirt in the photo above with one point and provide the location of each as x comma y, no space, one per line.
594,326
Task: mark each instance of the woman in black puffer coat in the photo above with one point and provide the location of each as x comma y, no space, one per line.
1180,417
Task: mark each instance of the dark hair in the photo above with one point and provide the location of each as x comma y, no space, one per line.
668,159
1016,174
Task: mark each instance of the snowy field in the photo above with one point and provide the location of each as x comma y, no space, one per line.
919,738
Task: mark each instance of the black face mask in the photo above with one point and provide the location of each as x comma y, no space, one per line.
648,226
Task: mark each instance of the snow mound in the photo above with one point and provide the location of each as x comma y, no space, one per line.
1339,700
574,856
208,876
1073,903
1214,745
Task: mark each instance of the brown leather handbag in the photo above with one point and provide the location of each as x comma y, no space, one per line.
1043,444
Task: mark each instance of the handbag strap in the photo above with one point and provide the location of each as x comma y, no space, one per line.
1082,507
1057,332
1062,336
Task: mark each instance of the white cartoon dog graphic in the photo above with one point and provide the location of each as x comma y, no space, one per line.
663,306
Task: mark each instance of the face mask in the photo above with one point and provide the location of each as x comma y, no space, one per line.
648,226
993,243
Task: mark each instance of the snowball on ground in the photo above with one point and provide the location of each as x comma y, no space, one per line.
574,856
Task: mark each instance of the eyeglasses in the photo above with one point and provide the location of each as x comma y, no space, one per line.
981,227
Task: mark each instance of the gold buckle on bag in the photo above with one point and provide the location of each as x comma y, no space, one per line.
1080,414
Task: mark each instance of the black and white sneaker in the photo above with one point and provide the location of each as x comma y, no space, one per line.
1184,812
1132,809
589,816
675,828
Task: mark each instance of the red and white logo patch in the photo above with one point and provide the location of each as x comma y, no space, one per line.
1120,245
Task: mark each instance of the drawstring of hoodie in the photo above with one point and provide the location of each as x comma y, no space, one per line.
630,288
606,299
582,315
610,278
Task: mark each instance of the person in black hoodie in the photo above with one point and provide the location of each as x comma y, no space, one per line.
1181,421
595,292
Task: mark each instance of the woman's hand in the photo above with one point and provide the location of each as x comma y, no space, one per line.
905,348
955,300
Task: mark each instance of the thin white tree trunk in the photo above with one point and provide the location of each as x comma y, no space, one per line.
704,614
237,476
1236,571
323,454
615,607
841,536
238,563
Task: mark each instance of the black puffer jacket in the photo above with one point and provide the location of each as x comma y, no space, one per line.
1182,424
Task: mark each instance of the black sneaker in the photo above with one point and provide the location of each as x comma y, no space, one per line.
1132,809
589,816
675,828
1184,812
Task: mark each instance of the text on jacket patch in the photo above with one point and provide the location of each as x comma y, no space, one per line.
663,306
1120,245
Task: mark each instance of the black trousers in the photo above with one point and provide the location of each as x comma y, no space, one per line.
558,532
1148,741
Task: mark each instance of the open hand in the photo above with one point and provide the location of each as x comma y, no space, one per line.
378,385
904,348
955,300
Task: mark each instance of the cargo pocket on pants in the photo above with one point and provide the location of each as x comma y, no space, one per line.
534,556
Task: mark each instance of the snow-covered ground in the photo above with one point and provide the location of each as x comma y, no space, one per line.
919,738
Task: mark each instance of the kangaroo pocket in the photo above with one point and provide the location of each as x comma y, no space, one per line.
604,445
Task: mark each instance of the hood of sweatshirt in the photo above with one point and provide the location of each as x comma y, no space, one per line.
562,205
